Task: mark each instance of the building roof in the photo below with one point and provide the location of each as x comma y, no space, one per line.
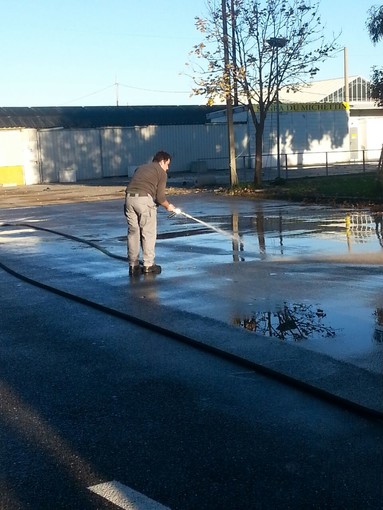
330,91
102,116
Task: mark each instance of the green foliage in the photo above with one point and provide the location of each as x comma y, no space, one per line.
375,23
377,85
375,28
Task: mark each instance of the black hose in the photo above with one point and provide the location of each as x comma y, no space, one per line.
68,236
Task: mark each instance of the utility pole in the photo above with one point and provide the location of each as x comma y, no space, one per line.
234,53
116,85
346,90
229,104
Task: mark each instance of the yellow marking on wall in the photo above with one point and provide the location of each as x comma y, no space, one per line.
307,107
310,107
12,175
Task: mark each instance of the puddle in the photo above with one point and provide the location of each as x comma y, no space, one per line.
309,275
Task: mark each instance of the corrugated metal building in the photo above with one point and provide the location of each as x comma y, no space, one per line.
308,131
55,144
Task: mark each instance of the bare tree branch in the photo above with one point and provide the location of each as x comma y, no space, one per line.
259,69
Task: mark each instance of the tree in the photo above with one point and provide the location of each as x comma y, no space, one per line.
377,85
272,43
375,28
375,23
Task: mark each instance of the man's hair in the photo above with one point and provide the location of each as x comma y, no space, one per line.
161,156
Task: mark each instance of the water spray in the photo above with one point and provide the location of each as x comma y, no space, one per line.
178,211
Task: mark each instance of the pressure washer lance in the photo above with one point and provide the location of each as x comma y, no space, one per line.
178,211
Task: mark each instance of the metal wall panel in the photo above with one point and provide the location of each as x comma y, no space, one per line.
126,148
67,149
19,156
307,135
111,152
12,147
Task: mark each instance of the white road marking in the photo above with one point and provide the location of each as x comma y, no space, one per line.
125,497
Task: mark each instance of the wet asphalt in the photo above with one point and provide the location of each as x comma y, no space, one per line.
207,283
210,277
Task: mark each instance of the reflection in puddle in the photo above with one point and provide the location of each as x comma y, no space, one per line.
378,332
378,219
296,321
279,231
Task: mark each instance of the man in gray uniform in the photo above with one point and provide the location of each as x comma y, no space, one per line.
143,194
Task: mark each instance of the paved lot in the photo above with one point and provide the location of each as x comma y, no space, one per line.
196,278
146,382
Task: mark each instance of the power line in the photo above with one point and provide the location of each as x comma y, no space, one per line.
155,90
90,94
117,84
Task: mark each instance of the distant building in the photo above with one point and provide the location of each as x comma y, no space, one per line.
53,144
316,121
331,91
366,119
63,144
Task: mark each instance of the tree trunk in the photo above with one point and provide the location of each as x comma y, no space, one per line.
258,157
259,128
380,168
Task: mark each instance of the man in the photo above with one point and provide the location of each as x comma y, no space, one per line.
143,194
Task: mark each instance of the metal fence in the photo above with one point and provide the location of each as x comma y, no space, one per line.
331,163
295,165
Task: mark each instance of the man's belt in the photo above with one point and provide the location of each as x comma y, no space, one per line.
136,194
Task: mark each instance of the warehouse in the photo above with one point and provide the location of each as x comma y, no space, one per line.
66,144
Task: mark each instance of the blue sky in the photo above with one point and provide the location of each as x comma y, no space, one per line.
74,52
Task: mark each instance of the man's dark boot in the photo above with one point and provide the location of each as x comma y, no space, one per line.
134,270
152,269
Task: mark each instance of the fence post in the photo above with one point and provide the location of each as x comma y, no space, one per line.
364,160
327,164
380,164
286,167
